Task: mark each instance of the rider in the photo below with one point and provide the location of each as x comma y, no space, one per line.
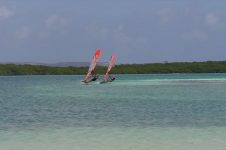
95,77
111,78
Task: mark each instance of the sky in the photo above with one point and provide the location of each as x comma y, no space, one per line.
138,31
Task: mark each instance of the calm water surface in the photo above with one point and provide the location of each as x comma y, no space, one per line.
136,112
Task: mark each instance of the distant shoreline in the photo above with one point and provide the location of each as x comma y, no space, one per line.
152,68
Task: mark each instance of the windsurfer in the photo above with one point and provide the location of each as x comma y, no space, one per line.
90,75
111,78
95,77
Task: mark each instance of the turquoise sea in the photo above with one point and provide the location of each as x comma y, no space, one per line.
136,112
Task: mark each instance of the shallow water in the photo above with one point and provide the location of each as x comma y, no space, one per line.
176,111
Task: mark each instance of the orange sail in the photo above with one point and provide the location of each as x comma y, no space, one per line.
94,61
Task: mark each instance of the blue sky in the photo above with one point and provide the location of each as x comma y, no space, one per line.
138,31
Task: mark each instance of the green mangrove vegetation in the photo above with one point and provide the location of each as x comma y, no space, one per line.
177,67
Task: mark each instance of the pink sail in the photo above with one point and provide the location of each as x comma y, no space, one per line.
94,61
111,65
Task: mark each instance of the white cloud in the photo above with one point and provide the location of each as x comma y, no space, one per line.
121,37
5,13
120,28
196,35
215,22
55,22
166,15
104,33
212,19
23,32
43,35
